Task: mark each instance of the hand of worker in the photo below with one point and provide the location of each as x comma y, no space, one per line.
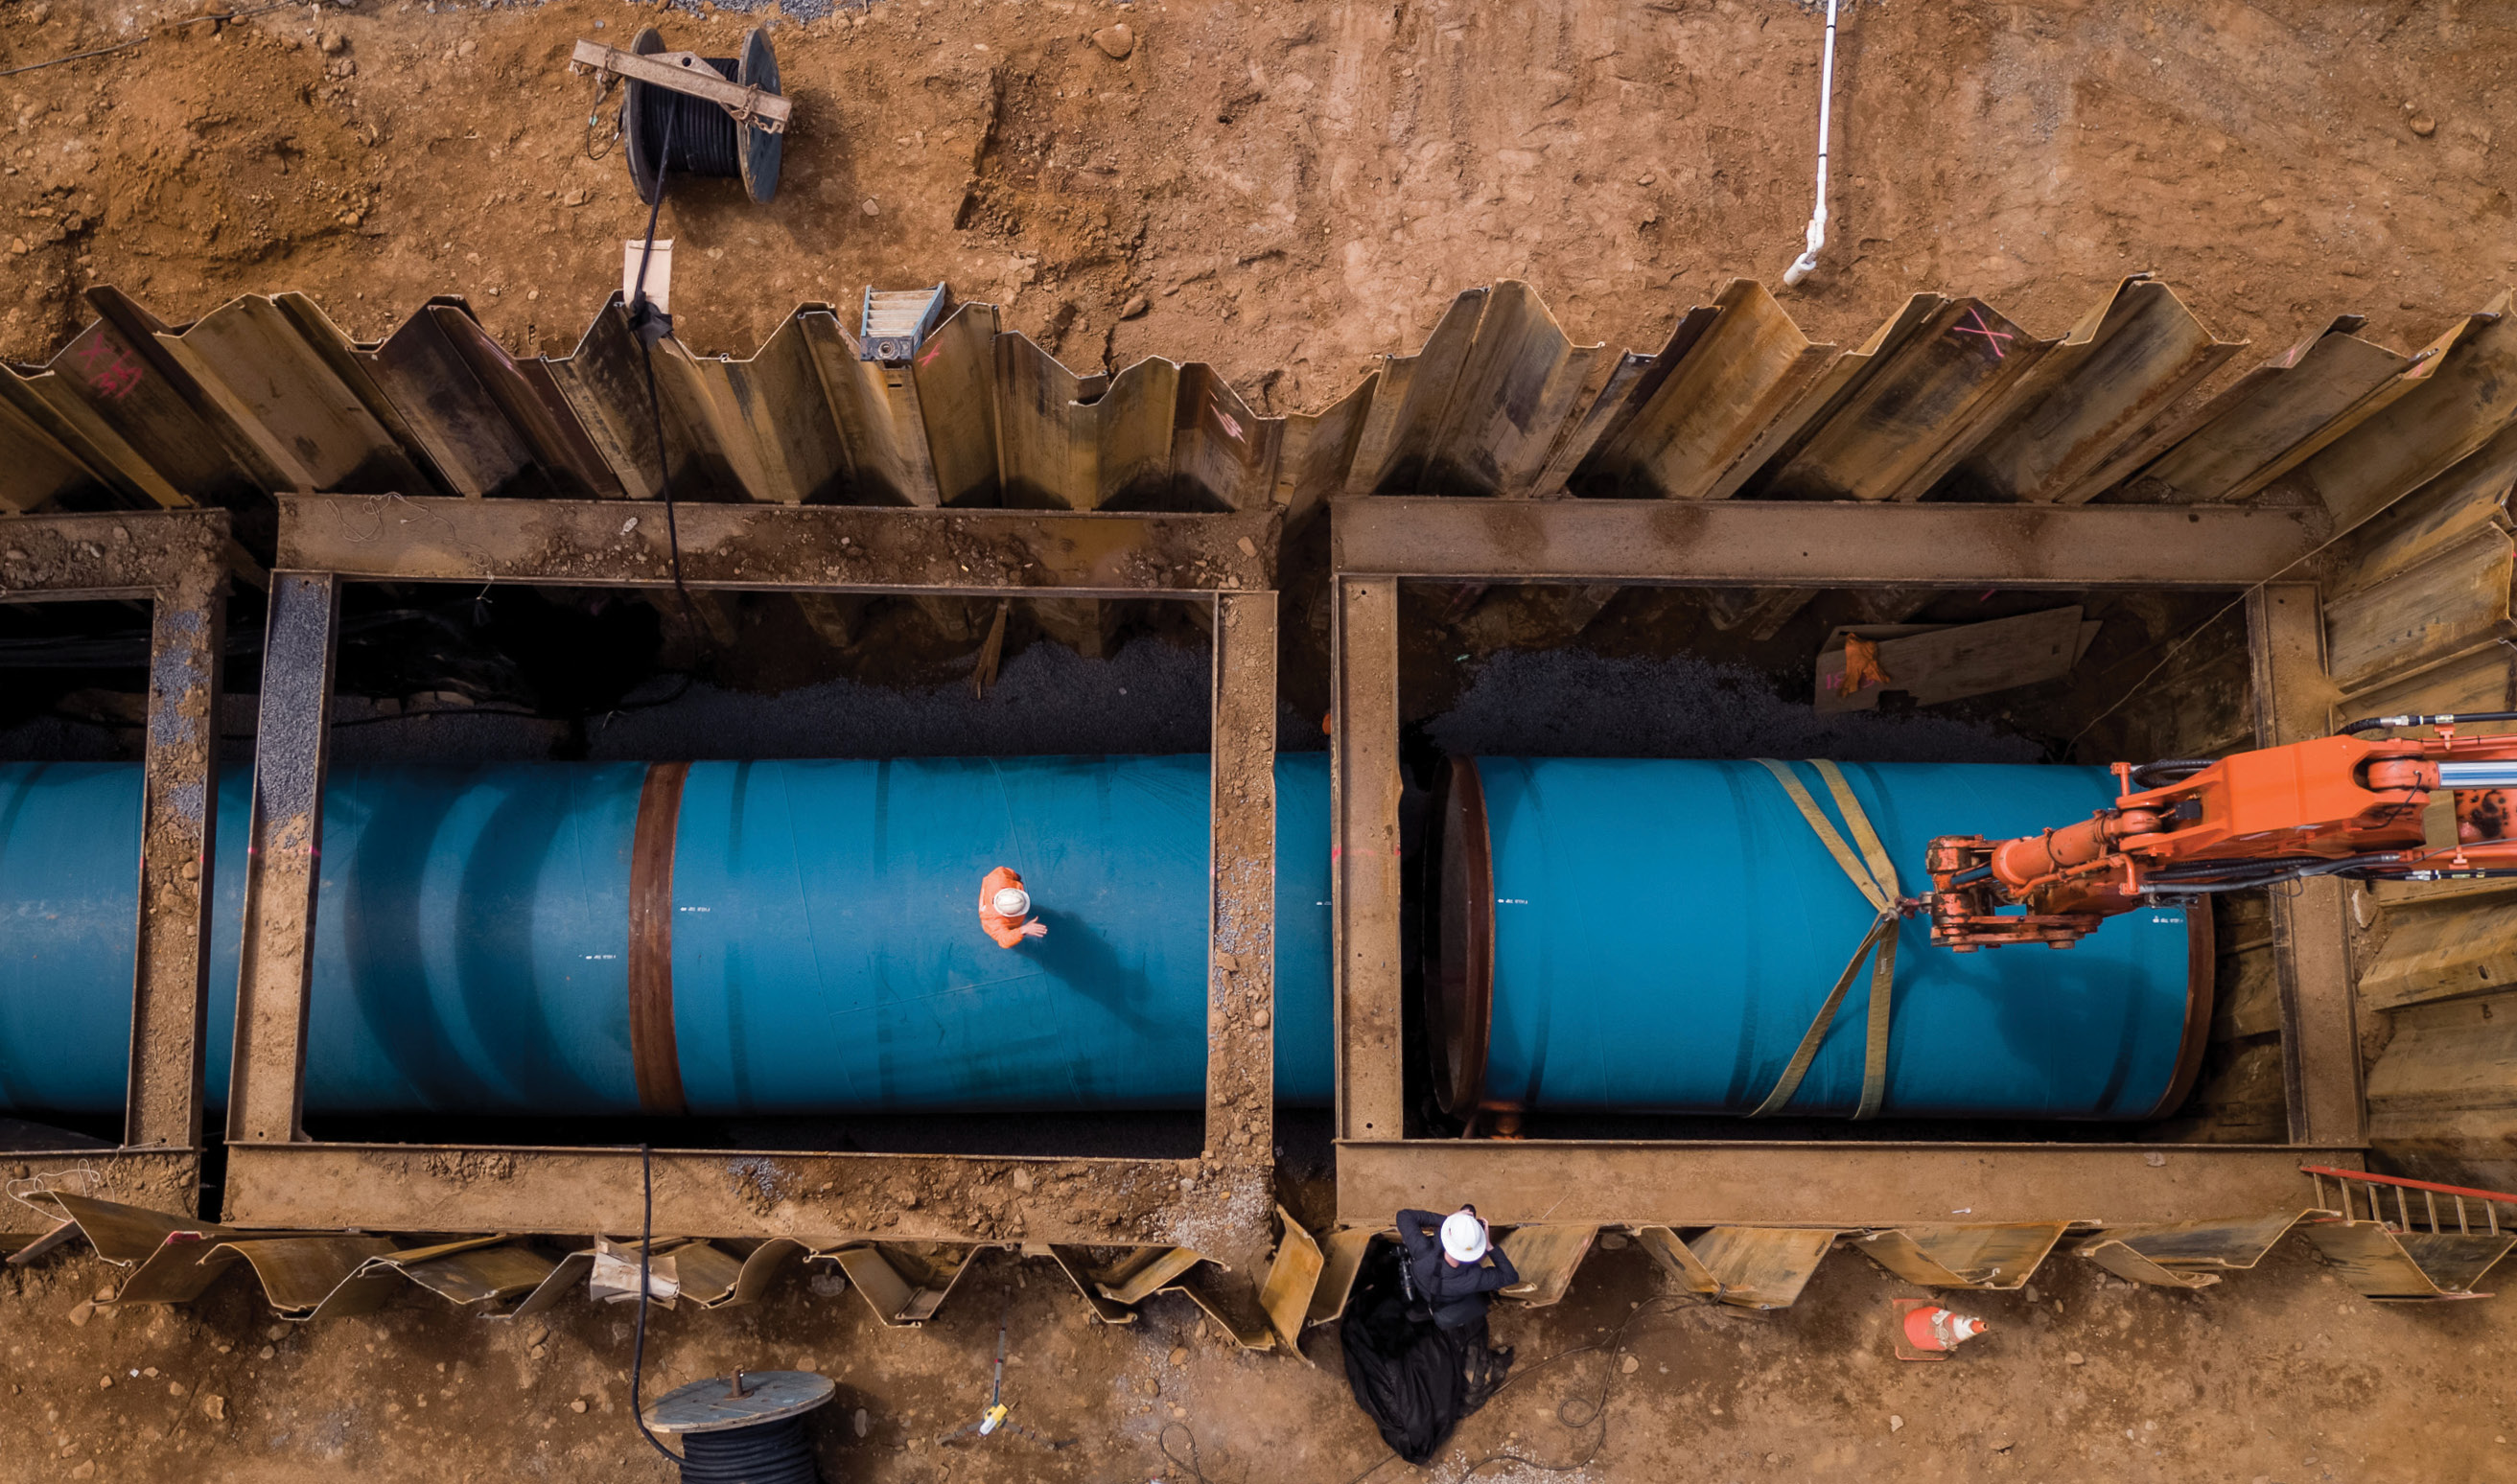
1035,930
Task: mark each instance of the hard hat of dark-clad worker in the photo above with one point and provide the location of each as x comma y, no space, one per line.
1005,908
1453,1264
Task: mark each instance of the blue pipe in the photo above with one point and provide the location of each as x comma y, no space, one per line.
1661,935
472,947
473,952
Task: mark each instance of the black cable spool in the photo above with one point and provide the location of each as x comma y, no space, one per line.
755,1437
707,141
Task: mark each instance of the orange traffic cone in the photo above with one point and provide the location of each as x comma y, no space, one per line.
1925,1331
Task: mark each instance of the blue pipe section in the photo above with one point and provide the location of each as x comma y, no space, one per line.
471,936
1665,932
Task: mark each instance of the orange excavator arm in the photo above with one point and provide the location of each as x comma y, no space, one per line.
2433,808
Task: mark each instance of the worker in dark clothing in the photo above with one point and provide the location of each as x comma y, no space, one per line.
1415,1335
1452,1265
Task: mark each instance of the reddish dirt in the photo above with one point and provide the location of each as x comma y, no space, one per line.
1290,187
2277,1375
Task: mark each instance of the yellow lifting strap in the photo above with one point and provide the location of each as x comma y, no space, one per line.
1874,875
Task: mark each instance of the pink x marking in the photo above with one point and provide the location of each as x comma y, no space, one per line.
1976,326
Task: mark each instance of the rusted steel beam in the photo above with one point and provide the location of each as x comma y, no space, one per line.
1240,968
266,1091
124,554
847,548
177,840
1843,1185
1369,1101
824,1199
2311,929
1819,543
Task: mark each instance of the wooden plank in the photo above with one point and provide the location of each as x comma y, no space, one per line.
2445,607
2469,497
2443,951
2247,995
2449,1056
696,81
1945,663
2463,394
2482,679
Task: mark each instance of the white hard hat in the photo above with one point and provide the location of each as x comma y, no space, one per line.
1012,902
1463,1235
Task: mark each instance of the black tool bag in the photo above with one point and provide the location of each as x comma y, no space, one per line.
1414,1379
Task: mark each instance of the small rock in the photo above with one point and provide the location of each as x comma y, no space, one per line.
215,1408
1896,1423
86,1470
265,1353
2076,1358
2028,1292
829,1285
1629,1366
174,1388
1179,1413
577,1405
572,198
538,1351
1135,308
276,1333
104,1383
1261,1020
1610,1242
1115,41
1022,1179
1179,1355
332,43
2424,125
104,1294
351,218
1150,1386
542,1336
80,1313
861,1423
869,207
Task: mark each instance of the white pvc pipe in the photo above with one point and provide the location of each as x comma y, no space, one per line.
1808,260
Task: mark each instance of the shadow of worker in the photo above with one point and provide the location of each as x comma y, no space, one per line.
1081,960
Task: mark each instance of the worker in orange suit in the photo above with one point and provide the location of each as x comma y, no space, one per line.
1005,908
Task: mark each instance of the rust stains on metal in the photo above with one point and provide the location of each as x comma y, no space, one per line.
1794,544
814,548
277,959
653,1053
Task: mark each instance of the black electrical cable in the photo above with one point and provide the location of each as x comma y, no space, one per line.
638,1348
764,1453
2168,770
641,316
2446,718
710,139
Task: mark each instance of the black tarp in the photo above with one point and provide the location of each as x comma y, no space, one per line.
1414,1379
